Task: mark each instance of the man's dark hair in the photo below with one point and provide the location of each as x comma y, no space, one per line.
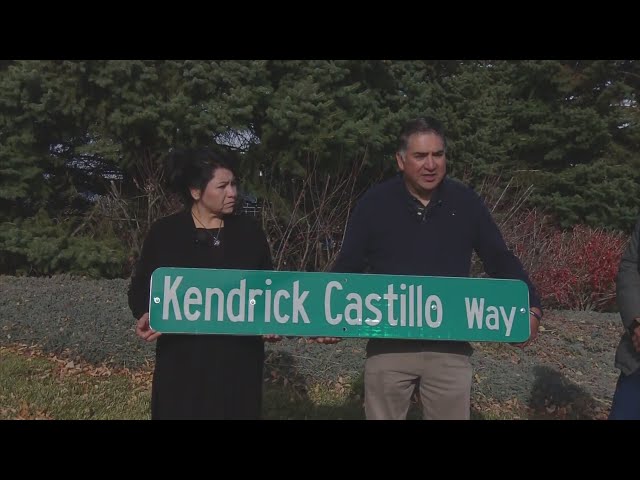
420,125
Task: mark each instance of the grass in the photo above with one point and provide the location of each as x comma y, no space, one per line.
37,386
320,403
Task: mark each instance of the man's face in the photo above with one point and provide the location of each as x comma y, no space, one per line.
423,164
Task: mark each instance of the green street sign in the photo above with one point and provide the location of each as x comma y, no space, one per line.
257,302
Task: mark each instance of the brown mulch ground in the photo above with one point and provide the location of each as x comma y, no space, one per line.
568,373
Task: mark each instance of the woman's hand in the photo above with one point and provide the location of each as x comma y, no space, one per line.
144,331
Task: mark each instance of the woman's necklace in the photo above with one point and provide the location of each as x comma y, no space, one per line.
216,240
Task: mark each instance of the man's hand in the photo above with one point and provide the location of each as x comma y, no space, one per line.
144,331
534,326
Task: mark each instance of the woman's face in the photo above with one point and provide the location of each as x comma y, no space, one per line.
220,195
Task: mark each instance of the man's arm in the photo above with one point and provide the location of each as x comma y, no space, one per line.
498,260
628,281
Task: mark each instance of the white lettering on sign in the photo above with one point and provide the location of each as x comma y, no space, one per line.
276,306
387,307
390,297
433,300
240,293
209,292
298,303
373,309
267,303
236,305
475,315
193,296
171,297
356,307
253,293
327,303
409,304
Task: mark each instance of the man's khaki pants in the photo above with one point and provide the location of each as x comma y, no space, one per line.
444,381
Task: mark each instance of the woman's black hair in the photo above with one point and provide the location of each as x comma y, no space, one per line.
194,168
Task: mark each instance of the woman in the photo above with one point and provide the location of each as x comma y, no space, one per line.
202,376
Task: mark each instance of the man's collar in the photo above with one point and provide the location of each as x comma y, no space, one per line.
437,196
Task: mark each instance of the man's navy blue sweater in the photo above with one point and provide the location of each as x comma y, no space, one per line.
389,232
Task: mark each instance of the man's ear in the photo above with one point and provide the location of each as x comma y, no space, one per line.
400,161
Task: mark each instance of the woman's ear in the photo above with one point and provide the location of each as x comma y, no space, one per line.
195,194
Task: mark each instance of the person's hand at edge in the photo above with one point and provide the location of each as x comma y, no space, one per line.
144,330
534,321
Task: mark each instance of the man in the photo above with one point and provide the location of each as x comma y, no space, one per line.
626,399
423,223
